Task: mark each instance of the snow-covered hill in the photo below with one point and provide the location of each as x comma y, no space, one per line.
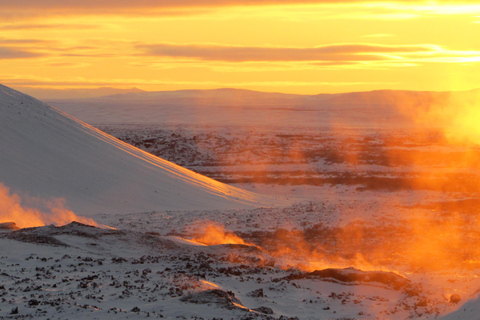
48,154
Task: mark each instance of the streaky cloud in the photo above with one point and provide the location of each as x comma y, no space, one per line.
10,53
14,10
335,52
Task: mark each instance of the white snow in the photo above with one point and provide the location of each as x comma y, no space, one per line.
149,267
48,154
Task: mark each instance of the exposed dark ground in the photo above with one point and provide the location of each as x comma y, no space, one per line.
371,160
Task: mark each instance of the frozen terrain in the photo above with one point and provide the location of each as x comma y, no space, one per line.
357,221
81,272
50,154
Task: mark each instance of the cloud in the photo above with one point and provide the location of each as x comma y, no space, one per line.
64,83
24,26
84,52
56,48
33,48
18,42
31,81
68,65
358,55
128,4
330,53
12,53
378,35
15,10
188,3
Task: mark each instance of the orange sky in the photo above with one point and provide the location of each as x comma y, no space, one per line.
288,46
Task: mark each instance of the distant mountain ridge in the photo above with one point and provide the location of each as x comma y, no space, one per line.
244,107
46,94
224,96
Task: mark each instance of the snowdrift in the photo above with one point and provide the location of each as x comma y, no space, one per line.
48,154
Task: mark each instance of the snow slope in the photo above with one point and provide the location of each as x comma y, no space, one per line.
469,311
46,153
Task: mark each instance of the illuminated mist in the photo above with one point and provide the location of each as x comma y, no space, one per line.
12,210
213,234
437,153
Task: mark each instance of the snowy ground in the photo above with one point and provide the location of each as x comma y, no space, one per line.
358,221
80,272
413,248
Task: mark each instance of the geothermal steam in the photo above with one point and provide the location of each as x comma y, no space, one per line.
53,211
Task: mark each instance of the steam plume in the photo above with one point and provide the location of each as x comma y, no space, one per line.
54,212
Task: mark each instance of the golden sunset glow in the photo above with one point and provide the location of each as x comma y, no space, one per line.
12,210
304,47
213,234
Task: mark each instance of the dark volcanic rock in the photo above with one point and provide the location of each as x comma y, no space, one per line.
25,236
8,226
219,297
264,310
256,293
46,235
354,276
455,298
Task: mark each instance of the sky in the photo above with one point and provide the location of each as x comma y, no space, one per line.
290,46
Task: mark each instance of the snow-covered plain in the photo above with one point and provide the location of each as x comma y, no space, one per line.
81,272
351,227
